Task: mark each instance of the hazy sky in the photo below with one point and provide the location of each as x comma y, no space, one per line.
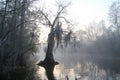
85,11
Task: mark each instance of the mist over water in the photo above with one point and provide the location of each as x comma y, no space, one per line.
80,64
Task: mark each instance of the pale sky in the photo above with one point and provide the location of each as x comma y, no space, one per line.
84,11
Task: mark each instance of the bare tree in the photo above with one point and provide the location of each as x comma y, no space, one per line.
55,33
95,30
114,15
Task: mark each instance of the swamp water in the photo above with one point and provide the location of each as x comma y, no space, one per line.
77,66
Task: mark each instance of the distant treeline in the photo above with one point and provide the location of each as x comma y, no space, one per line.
100,38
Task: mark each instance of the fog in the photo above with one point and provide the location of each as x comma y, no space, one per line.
81,63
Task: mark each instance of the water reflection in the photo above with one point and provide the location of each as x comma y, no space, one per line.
81,71
83,66
41,73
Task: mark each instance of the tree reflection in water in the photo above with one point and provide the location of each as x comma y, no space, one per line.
82,71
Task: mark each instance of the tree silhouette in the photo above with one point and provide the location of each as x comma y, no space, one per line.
55,33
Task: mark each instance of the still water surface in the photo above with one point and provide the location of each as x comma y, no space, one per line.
77,66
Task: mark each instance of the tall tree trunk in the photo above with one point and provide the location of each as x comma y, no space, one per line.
20,55
3,20
49,62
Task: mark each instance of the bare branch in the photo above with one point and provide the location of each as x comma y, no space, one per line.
11,30
57,16
45,16
65,20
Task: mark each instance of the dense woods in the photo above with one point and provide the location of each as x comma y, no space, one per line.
18,38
